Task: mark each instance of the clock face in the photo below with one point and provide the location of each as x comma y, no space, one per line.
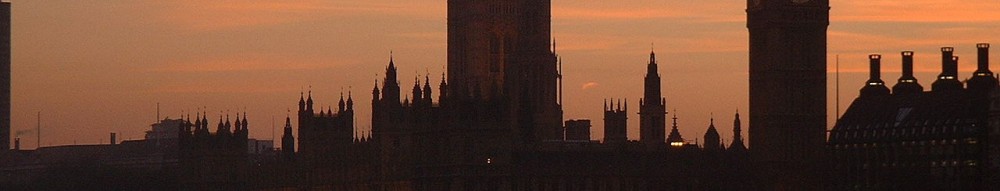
799,1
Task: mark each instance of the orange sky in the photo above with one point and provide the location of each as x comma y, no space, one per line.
97,66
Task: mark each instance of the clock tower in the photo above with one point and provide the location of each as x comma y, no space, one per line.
788,91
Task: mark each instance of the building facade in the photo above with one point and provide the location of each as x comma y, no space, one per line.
788,90
910,139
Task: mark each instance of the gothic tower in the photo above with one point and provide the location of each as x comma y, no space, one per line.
737,144
787,90
615,123
287,140
502,49
652,107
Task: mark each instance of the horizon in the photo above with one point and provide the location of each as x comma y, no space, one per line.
223,56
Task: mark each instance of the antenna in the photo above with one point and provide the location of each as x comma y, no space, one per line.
560,82
272,127
837,96
38,131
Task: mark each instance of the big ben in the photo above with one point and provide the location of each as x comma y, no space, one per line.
788,91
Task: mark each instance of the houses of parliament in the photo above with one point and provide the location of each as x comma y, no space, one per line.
494,122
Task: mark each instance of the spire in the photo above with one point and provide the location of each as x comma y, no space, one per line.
427,89
416,90
302,101
619,105
340,104
675,138
309,101
675,120
737,144
239,124
444,88
712,139
245,121
350,100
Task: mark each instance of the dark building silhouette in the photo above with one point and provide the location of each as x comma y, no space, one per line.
4,76
712,140
737,143
788,90
941,139
652,108
578,130
675,138
287,141
615,123
501,49
213,160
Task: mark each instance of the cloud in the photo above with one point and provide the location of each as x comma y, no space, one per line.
916,11
256,63
589,85
198,15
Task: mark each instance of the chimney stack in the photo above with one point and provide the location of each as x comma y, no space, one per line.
984,60
907,83
907,65
875,86
874,70
949,68
17,143
114,140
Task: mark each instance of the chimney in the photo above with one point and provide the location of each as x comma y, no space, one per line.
948,65
907,65
875,86
984,60
17,143
874,70
114,140
907,83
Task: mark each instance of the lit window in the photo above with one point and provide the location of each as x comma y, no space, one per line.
677,144
489,161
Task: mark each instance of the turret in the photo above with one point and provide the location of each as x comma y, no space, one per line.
737,144
287,140
239,124
416,92
340,104
712,140
309,103
675,138
874,86
375,93
302,102
444,89
350,102
907,84
390,85
245,128
427,90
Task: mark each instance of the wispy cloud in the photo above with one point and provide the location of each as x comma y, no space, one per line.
589,85
200,15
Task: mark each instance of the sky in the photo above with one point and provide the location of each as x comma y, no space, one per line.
92,67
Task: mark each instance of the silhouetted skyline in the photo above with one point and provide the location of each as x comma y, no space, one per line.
182,55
